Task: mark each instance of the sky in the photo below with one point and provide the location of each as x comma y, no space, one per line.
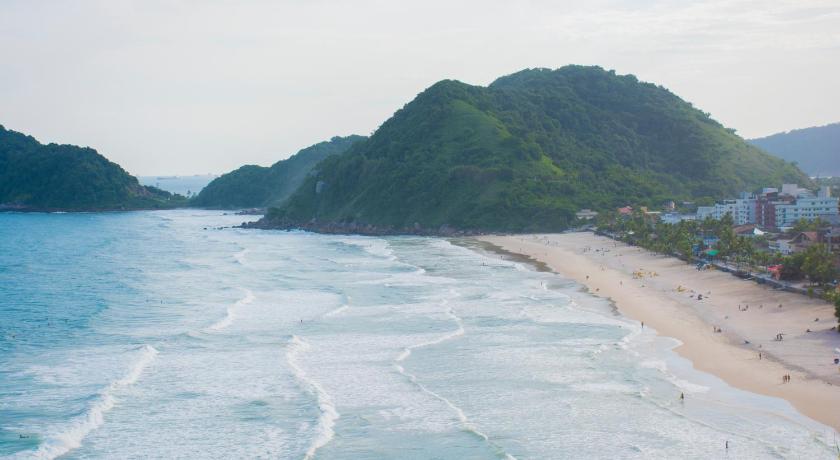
195,87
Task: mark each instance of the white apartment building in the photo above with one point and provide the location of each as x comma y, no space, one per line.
675,218
742,210
779,212
809,208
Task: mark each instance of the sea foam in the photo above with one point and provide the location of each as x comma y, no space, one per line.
231,312
240,257
329,414
463,420
73,435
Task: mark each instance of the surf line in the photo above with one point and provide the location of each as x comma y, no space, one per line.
465,422
345,305
230,315
329,414
72,437
337,311
240,256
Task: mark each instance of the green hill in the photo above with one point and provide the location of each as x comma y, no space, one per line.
34,176
524,154
816,150
258,186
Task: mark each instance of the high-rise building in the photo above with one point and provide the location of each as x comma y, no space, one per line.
774,209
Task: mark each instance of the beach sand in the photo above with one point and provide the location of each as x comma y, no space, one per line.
662,292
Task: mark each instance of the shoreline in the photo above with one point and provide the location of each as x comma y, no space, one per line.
660,291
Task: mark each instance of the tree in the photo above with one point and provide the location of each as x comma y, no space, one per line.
804,225
817,264
792,266
837,310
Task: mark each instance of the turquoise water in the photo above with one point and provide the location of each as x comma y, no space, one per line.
159,335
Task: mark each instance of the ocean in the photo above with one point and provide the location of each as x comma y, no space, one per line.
172,335
182,185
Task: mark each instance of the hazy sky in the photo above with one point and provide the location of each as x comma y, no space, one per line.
182,87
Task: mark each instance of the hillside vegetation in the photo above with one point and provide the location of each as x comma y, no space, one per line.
34,176
816,150
258,186
528,151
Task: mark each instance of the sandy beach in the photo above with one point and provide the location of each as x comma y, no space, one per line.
663,293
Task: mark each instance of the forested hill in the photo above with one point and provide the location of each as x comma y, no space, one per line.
258,186
34,176
816,150
524,154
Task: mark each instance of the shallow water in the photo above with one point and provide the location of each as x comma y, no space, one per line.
158,335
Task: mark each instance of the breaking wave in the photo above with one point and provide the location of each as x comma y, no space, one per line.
329,414
72,437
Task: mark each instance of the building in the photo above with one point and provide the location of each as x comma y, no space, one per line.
674,218
800,242
742,210
586,214
774,209
748,230
786,214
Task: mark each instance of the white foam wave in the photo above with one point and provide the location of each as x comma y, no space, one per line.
337,311
376,247
240,256
230,314
456,333
380,248
628,339
329,414
72,437
682,384
464,421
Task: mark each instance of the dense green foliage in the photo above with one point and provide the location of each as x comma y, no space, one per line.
685,239
256,186
805,225
837,309
34,176
816,150
815,263
527,152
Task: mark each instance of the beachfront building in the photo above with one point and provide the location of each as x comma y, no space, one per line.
675,218
748,230
786,214
774,209
586,214
742,210
800,242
